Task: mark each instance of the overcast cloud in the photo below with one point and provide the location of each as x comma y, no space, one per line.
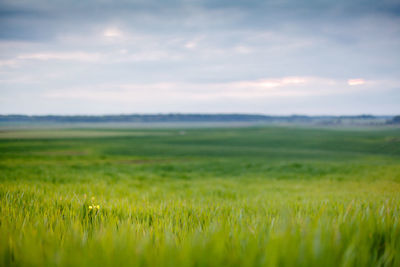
269,57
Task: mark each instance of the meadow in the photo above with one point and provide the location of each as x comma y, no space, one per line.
250,196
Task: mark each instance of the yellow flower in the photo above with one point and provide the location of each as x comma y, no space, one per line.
90,207
98,206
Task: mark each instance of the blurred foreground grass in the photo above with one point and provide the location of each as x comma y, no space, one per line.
272,196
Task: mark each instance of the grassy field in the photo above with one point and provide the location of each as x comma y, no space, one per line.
255,196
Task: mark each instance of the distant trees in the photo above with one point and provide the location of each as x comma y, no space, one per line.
143,118
151,118
395,120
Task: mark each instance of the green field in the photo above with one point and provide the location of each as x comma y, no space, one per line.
255,196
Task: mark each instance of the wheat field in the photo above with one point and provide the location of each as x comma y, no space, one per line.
255,196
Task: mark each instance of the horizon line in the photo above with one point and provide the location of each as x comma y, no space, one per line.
208,114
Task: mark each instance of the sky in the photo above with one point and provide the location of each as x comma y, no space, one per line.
276,57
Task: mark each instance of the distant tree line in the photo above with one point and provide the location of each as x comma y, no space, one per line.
184,118
395,120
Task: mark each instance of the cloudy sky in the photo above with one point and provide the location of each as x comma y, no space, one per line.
193,56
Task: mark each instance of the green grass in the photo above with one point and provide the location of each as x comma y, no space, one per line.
260,196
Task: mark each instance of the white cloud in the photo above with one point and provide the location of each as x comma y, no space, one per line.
191,45
77,56
8,62
243,49
112,32
353,82
154,55
285,87
272,83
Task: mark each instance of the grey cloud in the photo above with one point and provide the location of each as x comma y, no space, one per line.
45,19
49,45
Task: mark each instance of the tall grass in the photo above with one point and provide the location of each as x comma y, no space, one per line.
331,207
